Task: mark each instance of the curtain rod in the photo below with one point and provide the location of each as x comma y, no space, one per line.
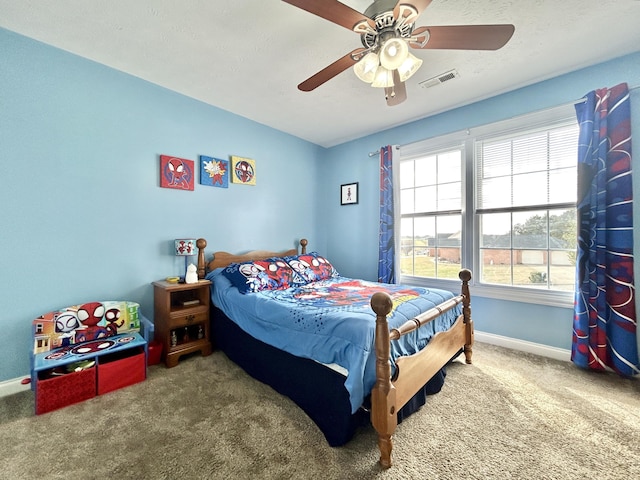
578,101
377,152
574,102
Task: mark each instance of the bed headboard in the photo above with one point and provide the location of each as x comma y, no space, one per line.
222,259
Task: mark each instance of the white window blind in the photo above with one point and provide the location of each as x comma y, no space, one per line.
527,169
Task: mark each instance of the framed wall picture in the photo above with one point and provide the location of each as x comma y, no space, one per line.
176,172
214,172
243,170
349,193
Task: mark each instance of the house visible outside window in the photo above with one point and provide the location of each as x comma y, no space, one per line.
498,199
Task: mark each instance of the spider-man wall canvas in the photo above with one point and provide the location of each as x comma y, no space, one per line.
243,171
176,173
214,172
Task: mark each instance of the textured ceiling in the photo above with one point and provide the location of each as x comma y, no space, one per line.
248,56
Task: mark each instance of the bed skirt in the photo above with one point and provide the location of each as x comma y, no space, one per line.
314,387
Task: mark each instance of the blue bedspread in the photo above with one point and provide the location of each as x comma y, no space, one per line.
331,321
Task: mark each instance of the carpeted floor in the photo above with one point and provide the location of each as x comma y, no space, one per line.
510,415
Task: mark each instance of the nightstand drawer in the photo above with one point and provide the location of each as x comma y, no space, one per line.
181,319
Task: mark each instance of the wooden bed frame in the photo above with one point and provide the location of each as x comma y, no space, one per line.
412,372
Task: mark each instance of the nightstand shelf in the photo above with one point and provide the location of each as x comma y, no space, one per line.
182,318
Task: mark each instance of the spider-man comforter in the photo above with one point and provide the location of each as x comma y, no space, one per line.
331,321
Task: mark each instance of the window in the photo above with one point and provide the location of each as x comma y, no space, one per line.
526,186
498,199
431,209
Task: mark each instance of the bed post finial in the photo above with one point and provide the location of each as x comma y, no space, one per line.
384,415
303,244
465,276
201,243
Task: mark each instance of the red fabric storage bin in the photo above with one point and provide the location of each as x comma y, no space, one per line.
121,369
59,391
155,352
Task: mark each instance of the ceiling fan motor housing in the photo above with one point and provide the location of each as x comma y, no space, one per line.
387,26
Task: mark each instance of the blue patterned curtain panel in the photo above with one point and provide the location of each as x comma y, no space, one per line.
386,249
604,324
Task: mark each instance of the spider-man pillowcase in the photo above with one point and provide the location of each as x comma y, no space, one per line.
312,267
269,274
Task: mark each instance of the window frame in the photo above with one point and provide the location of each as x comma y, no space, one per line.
470,242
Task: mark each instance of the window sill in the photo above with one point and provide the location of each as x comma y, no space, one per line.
514,294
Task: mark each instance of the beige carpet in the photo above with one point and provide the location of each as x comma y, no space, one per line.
508,416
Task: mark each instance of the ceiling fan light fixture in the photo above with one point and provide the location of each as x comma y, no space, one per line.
393,52
383,78
366,68
409,67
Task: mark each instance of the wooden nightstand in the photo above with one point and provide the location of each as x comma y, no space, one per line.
182,318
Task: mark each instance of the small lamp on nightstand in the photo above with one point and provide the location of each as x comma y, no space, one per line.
185,247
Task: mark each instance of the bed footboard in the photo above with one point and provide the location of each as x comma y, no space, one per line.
388,395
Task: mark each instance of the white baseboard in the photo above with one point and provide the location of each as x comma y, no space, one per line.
9,387
524,346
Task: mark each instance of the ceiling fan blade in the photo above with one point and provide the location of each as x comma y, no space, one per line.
396,94
331,71
419,5
334,11
465,37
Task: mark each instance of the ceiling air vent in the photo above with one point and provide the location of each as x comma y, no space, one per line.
438,79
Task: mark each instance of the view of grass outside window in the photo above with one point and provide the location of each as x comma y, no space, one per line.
521,190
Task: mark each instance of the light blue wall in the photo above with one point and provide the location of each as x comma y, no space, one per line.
83,216
352,244
79,147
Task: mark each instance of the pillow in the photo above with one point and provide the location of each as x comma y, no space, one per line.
270,274
312,267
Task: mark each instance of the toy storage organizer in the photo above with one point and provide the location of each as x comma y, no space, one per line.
67,377
78,371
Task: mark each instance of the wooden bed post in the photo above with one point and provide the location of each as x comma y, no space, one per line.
303,245
201,243
465,276
383,396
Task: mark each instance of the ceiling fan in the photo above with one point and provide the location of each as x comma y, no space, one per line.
387,30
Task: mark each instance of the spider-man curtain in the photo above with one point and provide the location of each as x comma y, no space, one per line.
604,324
387,264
